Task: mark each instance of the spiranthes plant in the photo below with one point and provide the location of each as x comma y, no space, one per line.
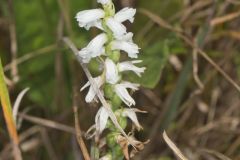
108,47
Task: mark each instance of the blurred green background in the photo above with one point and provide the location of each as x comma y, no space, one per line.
168,86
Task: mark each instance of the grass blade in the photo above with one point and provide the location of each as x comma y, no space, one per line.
7,111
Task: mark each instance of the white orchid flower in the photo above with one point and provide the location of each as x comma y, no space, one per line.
131,113
87,17
126,37
129,47
95,48
116,27
91,92
129,66
112,76
125,14
101,120
104,2
121,91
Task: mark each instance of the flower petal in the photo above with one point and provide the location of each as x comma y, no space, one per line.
130,48
129,66
95,47
117,28
96,23
91,93
131,113
111,71
125,14
101,120
126,37
121,91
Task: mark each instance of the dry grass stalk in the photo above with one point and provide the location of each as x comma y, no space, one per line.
173,147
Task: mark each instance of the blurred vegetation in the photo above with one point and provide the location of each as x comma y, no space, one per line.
204,124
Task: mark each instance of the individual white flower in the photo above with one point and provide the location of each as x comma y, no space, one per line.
121,91
131,113
94,48
125,14
87,17
101,120
112,76
126,37
129,47
91,92
97,44
103,2
117,28
129,66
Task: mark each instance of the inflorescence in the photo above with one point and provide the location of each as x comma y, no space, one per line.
108,47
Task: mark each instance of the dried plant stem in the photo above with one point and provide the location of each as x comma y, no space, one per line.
79,134
173,146
30,55
47,123
13,38
195,71
223,19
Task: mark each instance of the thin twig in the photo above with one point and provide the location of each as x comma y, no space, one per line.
13,38
59,92
63,4
223,19
215,153
173,147
195,71
48,123
30,55
75,104
79,135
